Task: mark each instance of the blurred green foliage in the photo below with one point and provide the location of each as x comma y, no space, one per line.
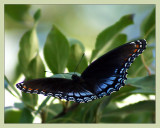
18,12
59,53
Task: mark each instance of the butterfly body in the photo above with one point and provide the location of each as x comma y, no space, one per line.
102,77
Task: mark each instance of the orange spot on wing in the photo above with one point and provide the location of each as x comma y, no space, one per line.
30,89
137,46
24,87
135,50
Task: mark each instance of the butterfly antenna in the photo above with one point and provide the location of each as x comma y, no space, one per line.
79,63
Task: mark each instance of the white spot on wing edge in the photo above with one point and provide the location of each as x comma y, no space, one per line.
132,42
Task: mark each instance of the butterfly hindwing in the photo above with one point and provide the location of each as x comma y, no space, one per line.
57,87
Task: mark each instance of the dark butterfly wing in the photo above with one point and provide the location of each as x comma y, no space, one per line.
103,76
107,73
58,87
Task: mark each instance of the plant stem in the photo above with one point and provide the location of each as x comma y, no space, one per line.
145,65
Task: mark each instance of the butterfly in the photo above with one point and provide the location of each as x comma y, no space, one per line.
103,76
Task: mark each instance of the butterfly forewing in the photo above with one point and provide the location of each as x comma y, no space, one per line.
107,73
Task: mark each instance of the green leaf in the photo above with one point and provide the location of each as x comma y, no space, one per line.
140,117
56,51
28,50
10,87
6,85
36,68
137,107
19,105
37,15
130,117
110,33
88,112
43,104
18,12
76,52
12,115
148,27
30,100
123,91
143,84
17,72
119,40
100,108
26,116
112,119
73,41
53,110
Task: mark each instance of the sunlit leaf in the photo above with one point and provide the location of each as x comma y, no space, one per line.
56,51
28,50
76,52
36,68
